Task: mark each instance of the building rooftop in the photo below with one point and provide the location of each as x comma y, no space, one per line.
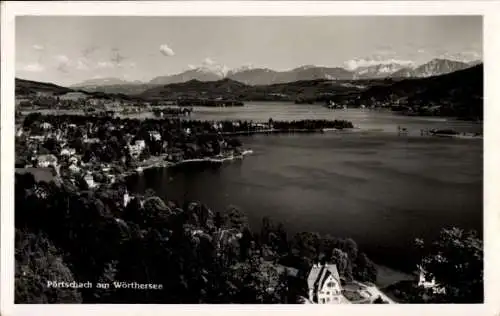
320,273
48,158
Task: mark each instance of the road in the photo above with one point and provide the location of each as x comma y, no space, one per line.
375,292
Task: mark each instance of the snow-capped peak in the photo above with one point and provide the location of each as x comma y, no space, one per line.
361,63
305,67
243,68
219,70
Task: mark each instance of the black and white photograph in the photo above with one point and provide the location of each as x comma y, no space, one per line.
332,159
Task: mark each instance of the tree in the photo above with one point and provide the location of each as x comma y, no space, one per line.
258,282
51,145
455,261
145,154
364,269
235,218
38,262
343,262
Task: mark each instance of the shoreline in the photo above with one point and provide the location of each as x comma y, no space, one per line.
347,131
168,164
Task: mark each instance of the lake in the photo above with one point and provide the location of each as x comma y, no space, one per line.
383,120
381,189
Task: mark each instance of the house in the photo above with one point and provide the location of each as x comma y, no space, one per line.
45,161
155,135
93,140
19,132
135,150
324,285
45,125
140,143
67,152
426,284
105,169
111,178
73,160
89,178
74,168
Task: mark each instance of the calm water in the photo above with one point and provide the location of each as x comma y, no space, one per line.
381,189
262,111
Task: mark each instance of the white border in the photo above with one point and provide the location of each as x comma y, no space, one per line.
490,11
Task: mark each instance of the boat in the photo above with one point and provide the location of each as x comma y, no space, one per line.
330,105
444,132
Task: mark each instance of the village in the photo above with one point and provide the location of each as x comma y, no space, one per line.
97,148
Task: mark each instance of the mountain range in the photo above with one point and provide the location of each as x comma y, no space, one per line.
459,93
265,76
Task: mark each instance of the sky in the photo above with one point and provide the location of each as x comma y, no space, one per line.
69,50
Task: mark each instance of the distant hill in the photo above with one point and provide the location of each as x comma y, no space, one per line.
128,89
232,89
200,74
104,82
256,76
112,85
33,88
459,93
28,87
196,89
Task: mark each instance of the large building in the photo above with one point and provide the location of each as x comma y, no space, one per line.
324,285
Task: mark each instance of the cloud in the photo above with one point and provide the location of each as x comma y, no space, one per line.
33,67
166,51
208,61
82,64
38,47
215,67
384,55
116,57
363,62
63,63
104,64
421,51
209,65
62,59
